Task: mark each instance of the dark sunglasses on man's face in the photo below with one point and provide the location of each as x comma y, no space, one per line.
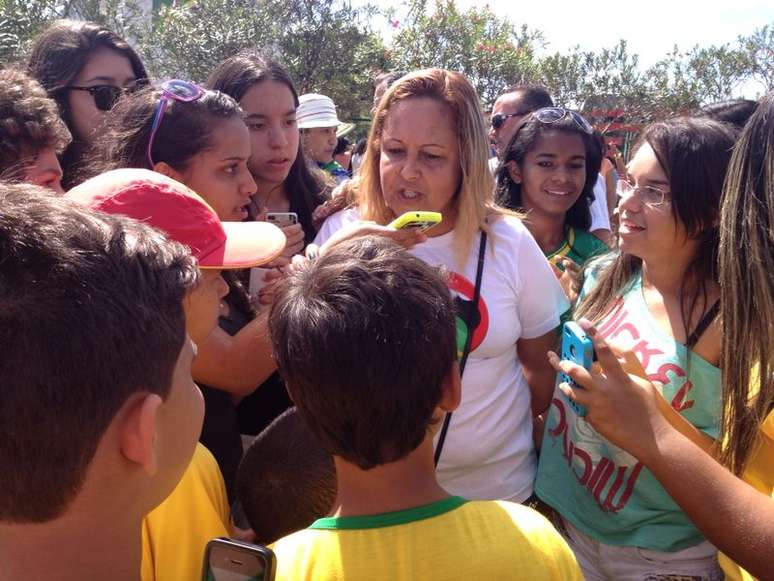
499,119
105,96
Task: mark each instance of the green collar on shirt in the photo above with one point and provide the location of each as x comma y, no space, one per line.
388,519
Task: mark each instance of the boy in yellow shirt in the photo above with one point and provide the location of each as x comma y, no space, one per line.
365,339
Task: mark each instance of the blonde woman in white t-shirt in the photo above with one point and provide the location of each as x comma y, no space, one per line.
427,150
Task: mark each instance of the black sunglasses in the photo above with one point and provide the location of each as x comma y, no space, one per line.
499,119
105,96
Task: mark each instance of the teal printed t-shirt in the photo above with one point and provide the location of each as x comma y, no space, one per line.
601,489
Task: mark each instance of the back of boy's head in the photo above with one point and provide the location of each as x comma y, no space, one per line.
365,337
29,122
286,480
90,313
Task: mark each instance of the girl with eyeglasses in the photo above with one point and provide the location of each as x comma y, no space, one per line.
548,171
657,298
85,68
729,497
199,138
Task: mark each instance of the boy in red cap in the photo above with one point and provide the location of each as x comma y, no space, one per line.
176,532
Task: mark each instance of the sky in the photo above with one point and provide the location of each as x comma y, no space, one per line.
650,27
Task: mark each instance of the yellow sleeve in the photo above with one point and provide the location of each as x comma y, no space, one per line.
175,533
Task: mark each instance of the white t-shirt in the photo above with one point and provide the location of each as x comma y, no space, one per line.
488,453
600,218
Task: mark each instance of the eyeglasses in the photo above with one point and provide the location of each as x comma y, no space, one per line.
105,96
499,119
649,195
550,115
178,90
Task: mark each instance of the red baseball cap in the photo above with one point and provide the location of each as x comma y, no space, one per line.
183,216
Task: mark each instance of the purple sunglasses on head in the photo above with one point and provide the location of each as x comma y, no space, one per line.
178,90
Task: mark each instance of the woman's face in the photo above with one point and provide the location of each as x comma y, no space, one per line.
219,174
419,165
271,119
650,231
553,173
104,67
319,143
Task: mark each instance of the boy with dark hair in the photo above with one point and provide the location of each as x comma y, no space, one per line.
31,132
99,415
365,339
286,480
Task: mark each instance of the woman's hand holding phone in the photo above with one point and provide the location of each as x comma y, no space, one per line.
622,407
407,237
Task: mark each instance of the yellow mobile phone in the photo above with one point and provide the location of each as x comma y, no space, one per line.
422,220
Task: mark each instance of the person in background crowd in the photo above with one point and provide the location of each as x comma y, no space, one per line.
284,180
374,302
199,138
657,297
735,112
509,110
428,151
268,97
630,412
286,480
381,83
176,532
548,172
85,68
343,155
98,413
31,132
318,122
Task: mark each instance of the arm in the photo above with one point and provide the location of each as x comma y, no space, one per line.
538,371
236,364
732,515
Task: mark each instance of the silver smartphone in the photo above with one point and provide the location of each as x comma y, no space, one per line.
230,560
282,219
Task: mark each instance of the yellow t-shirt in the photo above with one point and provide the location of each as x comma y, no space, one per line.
175,533
452,539
759,473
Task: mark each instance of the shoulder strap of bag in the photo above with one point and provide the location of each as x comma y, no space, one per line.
468,340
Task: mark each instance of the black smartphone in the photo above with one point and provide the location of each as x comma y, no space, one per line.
230,560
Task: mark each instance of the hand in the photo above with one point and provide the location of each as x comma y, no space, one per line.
406,237
295,241
569,278
274,278
621,407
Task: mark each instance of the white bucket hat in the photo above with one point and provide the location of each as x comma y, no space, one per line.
316,110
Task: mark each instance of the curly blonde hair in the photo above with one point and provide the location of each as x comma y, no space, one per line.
475,198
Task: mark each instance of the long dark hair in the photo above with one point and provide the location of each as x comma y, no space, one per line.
185,132
747,287
57,57
234,77
524,140
694,154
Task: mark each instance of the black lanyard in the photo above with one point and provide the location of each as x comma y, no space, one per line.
468,341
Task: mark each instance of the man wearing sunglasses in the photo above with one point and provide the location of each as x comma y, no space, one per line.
508,111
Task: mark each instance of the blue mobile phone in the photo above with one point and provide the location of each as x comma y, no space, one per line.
578,348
